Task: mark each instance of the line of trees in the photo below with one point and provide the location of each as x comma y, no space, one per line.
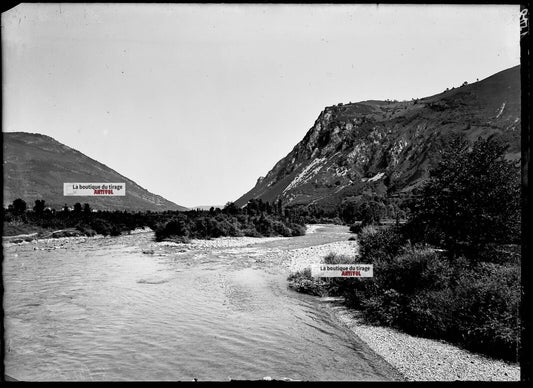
258,218
365,209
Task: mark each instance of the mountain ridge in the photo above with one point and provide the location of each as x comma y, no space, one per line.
37,165
388,147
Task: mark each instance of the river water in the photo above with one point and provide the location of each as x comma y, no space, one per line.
126,308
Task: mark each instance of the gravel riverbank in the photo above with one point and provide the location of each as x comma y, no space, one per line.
422,359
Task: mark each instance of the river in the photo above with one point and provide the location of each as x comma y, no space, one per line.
127,308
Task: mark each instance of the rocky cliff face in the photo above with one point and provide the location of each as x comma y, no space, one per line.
388,147
36,166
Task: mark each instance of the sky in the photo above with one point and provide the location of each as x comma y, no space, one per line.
195,102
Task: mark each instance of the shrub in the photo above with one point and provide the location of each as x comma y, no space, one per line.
333,258
19,206
175,227
101,226
422,292
501,254
383,308
338,286
281,229
264,226
251,232
357,227
303,282
115,231
374,243
297,230
85,229
396,279
427,313
486,309
413,270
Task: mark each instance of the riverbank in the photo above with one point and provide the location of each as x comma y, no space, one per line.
423,359
215,243
58,237
417,359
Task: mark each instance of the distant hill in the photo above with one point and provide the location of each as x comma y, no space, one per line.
36,166
388,147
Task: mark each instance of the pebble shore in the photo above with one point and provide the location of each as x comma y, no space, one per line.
299,259
422,359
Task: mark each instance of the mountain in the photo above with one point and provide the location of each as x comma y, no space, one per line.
388,147
36,166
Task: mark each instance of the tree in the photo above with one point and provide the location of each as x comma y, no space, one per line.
349,210
39,206
471,199
372,212
19,206
231,208
279,207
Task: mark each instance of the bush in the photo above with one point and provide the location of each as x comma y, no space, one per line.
251,232
338,286
264,226
297,230
413,270
383,308
333,258
422,292
19,206
375,244
396,279
85,229
281,229
115,231
303,282
175,227
357,227
101,226
486,309
501,254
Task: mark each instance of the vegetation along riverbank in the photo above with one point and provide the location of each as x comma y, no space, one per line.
256,219
452,272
